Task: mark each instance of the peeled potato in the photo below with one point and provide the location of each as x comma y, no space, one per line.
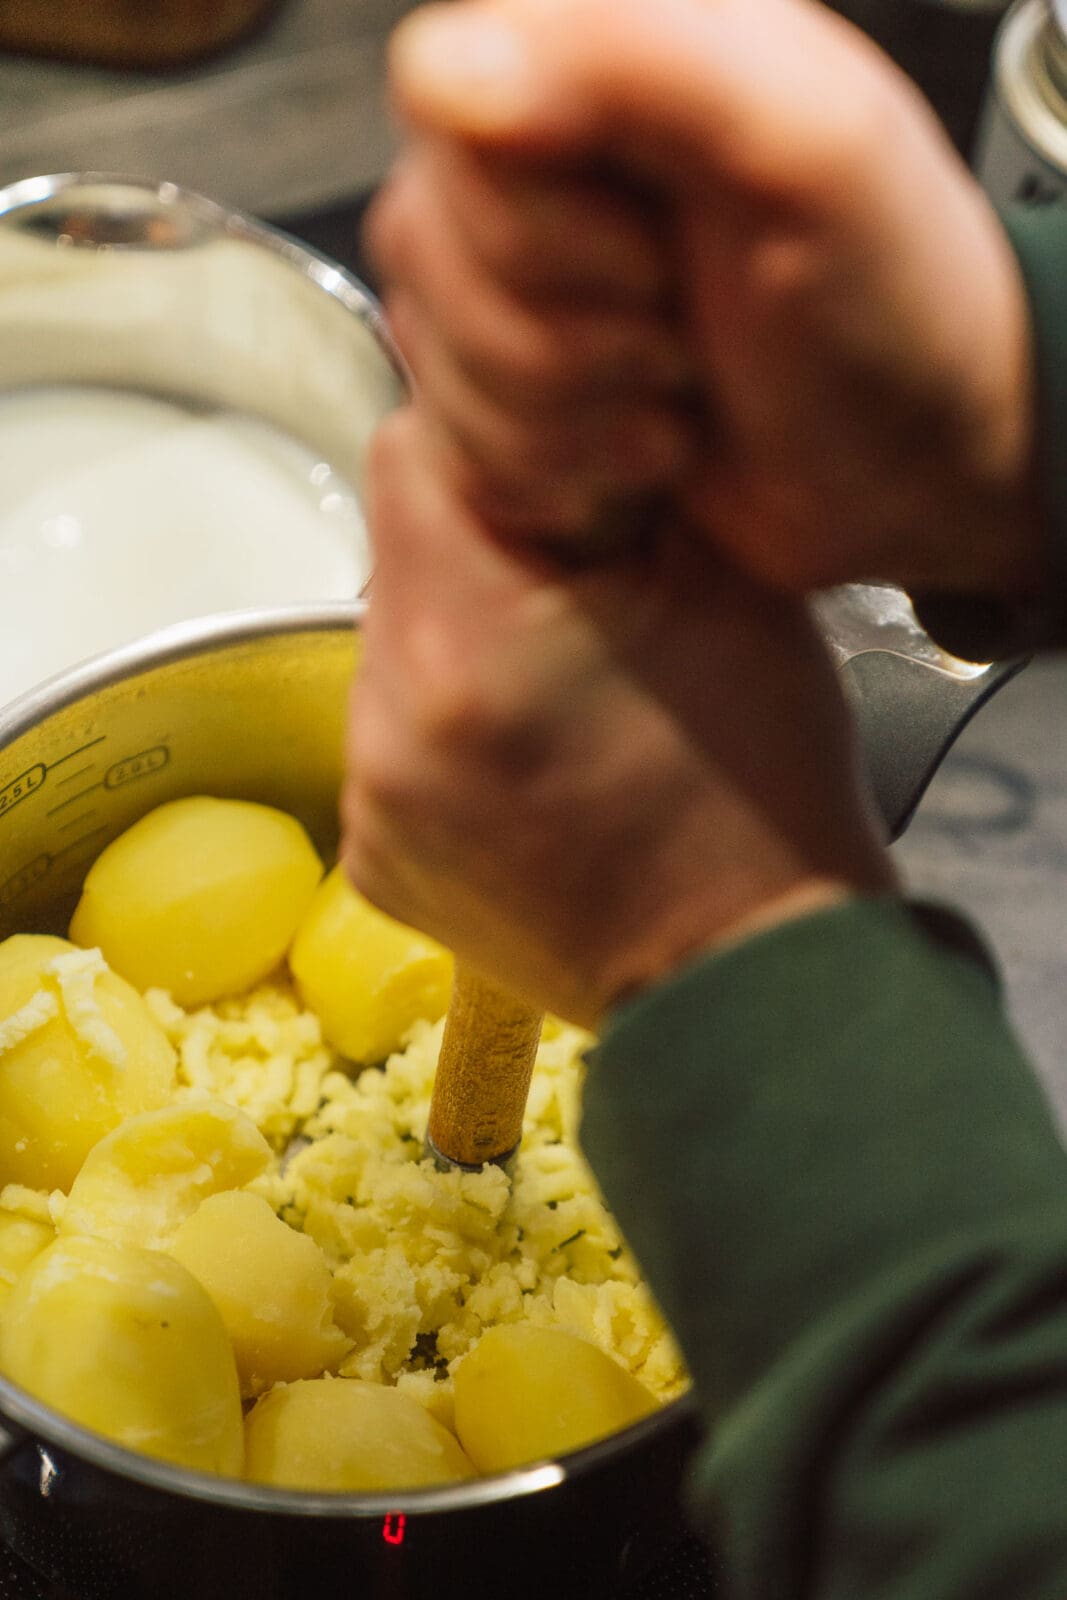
141,1183
201,897
343,1434
271,1286
531,1394
79,1051
127,1343
21,1240
366,977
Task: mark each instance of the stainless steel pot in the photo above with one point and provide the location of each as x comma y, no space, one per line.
253,707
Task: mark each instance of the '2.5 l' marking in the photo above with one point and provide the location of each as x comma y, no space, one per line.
25,784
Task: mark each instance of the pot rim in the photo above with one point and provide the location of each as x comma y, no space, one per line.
208,216
176,642
31,1417
33,1421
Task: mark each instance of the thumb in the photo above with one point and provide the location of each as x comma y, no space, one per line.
751,91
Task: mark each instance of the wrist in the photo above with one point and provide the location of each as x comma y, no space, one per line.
677,943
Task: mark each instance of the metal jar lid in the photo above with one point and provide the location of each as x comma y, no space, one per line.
1030,76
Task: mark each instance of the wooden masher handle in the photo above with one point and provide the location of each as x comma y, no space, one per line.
483,1076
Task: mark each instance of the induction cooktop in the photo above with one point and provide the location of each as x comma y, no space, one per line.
686,1574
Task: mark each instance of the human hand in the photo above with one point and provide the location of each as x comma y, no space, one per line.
725,244
579,778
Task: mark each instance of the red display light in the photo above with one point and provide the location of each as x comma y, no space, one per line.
393,1531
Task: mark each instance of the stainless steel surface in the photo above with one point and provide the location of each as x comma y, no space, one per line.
151,288
878,616
909,697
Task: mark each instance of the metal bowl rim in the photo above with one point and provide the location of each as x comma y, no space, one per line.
25,193
180,641
34,1422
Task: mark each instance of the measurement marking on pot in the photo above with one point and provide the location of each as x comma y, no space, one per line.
84,839
52,765
72,777
72,800
25,878
393,1531
142,765
21,788
76,822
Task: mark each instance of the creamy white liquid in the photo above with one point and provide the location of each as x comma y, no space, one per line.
121,513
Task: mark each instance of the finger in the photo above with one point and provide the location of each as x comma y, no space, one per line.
409,501
564,361
528,443
548,504
511,344
715,85
551,234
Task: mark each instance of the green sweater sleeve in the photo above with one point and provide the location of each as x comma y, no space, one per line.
848,1193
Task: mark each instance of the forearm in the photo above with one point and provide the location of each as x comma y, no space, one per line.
847,1191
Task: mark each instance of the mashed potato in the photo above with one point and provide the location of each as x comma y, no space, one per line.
208,1208
424,1261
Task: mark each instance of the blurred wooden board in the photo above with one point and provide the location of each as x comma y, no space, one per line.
291,120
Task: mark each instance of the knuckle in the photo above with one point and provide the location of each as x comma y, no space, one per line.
379,787
508,240
385,229
391,443
450,712
863,125
543,366
500,447
546,358
373,773
517,352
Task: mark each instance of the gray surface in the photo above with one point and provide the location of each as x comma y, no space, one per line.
292,120
990,837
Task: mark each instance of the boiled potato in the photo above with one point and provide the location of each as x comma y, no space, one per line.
201,897
21,1240
271,1286
343,1434
366,977
141,1183
127,1343
531,1394
79,1051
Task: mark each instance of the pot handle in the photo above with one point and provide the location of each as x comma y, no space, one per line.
908,715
